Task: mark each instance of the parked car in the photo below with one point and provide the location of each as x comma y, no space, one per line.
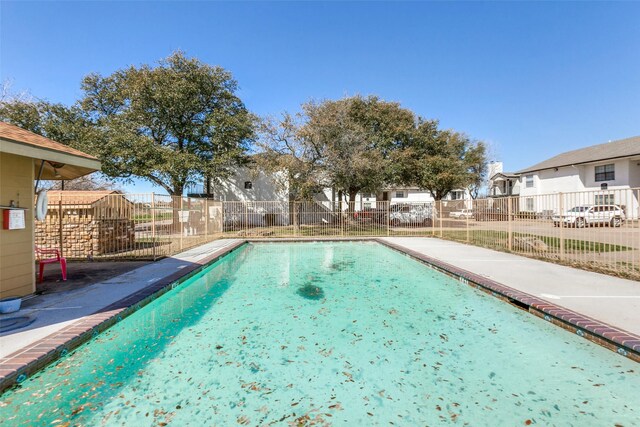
491,214
587,215
461,214
415,215
374,214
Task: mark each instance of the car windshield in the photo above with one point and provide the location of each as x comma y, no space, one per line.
579,209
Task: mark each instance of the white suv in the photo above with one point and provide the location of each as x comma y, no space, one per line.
584,216
412,214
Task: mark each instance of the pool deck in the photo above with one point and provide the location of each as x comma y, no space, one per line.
603,306
611,300
55,312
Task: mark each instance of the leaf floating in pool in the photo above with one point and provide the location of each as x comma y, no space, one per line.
311,292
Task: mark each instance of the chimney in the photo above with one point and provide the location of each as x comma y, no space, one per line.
494,168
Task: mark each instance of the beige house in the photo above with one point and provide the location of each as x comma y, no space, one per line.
25,157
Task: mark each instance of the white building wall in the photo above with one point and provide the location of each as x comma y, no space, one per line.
579,187
621,174
634,173
264,187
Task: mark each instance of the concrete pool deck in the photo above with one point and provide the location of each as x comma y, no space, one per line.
53,312
64,320
609,299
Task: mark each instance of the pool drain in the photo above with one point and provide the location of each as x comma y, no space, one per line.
311,292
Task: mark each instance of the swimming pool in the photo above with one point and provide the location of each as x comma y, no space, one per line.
329,333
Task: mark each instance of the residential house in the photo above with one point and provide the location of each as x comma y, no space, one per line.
606,171
266,199
502,184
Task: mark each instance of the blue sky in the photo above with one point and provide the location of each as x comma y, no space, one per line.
530,79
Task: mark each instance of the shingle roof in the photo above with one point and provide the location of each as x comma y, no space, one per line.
78,197
610,150
506,174
14,133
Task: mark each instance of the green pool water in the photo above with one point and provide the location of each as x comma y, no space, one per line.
329,334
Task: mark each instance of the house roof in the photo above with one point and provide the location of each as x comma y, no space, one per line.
69,163
509,175
88,197
611,150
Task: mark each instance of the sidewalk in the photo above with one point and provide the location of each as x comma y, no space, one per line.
610,300
53,312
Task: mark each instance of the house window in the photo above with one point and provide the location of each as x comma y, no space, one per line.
529,181
248,185
400,194
457,195
604,199
605,173
529,204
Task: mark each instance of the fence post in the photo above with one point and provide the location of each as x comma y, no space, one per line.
296,219
153,225
60,237
439,202
509,224
561,213
180,215
246,218
467,221
434,215
222,208
388,214
206,219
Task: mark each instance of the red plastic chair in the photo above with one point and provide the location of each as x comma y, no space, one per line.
44,257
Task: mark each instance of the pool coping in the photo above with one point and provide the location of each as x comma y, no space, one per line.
21,364
620,341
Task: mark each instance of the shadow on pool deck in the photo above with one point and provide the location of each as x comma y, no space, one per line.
47,306
93,290
81,274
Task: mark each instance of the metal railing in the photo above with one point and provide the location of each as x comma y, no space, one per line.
599,230
126,226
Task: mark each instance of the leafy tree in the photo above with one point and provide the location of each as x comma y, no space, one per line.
355,138
60,123
478,168
173,124
440,161
293,161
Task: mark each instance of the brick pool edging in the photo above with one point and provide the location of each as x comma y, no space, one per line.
21,364
617,340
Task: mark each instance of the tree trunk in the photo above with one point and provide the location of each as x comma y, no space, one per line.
294,215
352,201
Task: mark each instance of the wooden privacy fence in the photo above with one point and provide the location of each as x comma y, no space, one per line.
596,229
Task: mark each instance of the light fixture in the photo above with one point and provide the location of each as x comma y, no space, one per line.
56,166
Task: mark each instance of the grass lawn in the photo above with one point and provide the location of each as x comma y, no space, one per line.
498,239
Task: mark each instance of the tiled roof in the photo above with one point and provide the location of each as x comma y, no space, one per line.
14,133
622,148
